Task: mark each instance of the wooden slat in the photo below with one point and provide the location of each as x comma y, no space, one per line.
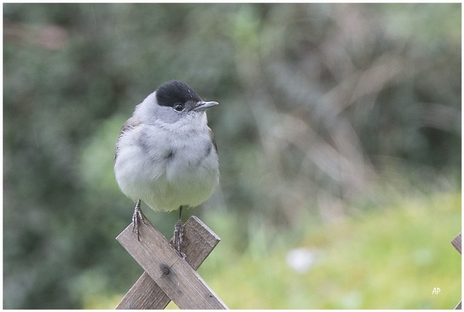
456,242
168,270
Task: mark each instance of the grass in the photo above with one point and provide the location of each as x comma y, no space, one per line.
388,258
384,259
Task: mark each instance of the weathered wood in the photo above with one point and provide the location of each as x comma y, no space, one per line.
174,275
456,242
198,243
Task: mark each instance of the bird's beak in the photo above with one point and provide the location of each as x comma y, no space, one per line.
202,106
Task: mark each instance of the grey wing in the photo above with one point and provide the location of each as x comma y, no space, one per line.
128,125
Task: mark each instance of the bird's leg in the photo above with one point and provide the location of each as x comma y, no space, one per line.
178,234
137,217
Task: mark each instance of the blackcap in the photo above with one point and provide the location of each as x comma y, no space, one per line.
166,154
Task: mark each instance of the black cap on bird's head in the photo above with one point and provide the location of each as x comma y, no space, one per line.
179,96
175,91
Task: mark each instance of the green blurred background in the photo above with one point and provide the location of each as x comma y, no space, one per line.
339,136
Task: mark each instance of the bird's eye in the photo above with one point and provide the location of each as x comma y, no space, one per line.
178,107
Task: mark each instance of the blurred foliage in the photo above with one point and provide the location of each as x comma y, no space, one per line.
328,111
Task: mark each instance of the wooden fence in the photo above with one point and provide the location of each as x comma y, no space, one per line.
167,275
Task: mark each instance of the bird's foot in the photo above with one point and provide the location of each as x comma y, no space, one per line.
137,218
178,236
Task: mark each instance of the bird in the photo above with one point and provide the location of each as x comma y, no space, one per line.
166,155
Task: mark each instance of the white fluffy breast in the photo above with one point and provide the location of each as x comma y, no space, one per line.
167,165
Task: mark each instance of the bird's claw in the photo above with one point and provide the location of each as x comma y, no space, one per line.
178,236
137,218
